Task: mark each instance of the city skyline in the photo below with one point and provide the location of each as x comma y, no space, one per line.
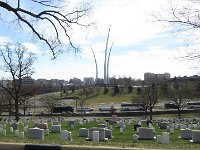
140,45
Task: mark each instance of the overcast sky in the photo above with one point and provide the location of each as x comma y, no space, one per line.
140,45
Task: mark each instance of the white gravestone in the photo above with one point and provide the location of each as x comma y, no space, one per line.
65,135
17,133
135,138
25,129
11,129
159,139
95,136
56,128
101,134
36,133
46,131
165,138
3,132
21,135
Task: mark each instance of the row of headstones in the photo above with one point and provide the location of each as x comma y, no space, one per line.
164,125
148,133
121,124
162,139
96,133
38,133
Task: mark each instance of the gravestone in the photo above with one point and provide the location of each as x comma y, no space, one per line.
43,125
145,133
101,125
17,133
101,134
55,123
56,128
171,130
3,132
83,132
108,133
21,135
185,134
71,123
163,125
121,124
183,126
159,139
66,135
36,133
114,118
11,129
15,126
46,131
135,138
195,136
111,122
95,136
165,138
121,130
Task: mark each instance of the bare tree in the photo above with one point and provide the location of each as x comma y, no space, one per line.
180,96
57,15
147,97
184,17
18,63
49,101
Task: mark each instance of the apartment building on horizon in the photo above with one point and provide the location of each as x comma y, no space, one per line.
150,76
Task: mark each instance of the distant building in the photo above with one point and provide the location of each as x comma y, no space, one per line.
88,81
41,81
75,81
151,76
28,81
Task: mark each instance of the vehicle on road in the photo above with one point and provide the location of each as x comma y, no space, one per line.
111,108
84,109
64,109
193,105
171,105
132,107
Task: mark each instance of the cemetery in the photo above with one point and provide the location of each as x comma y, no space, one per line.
132,132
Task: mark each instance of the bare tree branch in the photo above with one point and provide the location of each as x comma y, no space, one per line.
60,21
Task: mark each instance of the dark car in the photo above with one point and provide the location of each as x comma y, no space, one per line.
171,105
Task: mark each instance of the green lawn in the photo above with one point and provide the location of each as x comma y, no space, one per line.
118,140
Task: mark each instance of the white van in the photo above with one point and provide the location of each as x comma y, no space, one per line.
84,109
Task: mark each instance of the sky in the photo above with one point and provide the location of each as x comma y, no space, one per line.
140,45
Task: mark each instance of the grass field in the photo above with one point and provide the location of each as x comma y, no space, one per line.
118,140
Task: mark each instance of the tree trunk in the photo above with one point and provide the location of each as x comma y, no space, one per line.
16,111
179,113
150,113
146,112
24,111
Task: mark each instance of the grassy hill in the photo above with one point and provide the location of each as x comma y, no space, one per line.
97,96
